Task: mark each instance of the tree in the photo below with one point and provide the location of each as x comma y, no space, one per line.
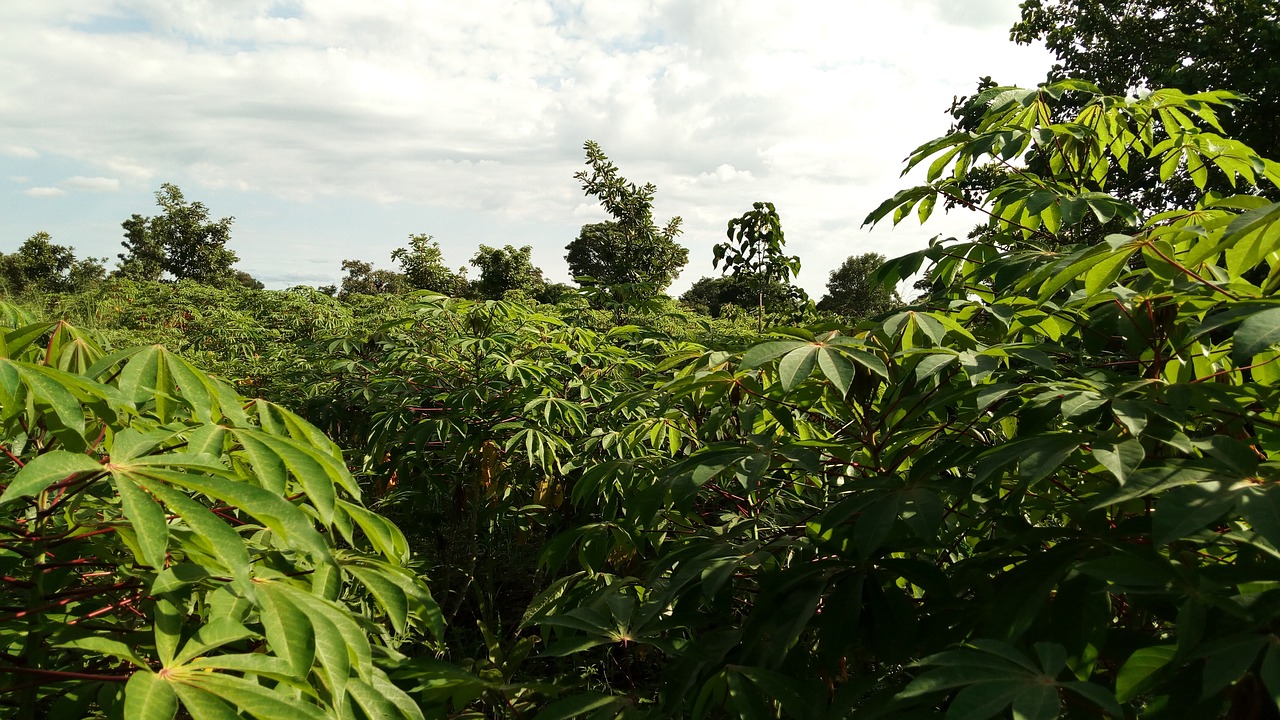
711,295
182,241
852,293
506,269
754,252
363,279
42,265
423,268
629,249
244,279
1188,45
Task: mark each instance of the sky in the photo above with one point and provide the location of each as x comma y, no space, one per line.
332,129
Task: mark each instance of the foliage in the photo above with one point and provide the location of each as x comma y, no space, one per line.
1127,46
1190,46
504,270
630,248
1075,160
182,241
1047,487
422,265
363,279
754,252
168,543
851,292
784,303
41,265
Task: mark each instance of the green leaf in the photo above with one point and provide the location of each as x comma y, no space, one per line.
167,629
760,354
1036,702
576,706
293,527
1258,332
1100,276
213,634
319,473
203,705
148,697
1121,459
1097,695
1184,511
289,632
149,521
797,365
45,470
227,545
383,535
983,700
107,646
836,369
1139,672
257,700
389,595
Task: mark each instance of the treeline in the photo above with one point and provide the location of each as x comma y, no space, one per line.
628,256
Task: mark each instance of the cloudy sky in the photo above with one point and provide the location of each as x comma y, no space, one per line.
333,129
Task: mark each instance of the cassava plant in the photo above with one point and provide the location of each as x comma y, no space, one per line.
1047,489
170,548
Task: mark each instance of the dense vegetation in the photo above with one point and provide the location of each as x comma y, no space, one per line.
1044,488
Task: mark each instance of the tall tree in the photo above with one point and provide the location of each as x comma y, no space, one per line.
712,295
851,291
506,269
630,248
754,252
40,264
181,241
422,265
363,279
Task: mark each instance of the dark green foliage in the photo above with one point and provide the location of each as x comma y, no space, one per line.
506,270
363,279
182,241
1189,45
40,265
630,248
852,293
754,253
422,265
714,296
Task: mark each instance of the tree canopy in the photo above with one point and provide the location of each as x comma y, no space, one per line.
423,268
181,241
42,265
506,269
630,248
852,292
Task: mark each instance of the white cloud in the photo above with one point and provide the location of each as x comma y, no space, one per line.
481,107
93,184
18,151
43,192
